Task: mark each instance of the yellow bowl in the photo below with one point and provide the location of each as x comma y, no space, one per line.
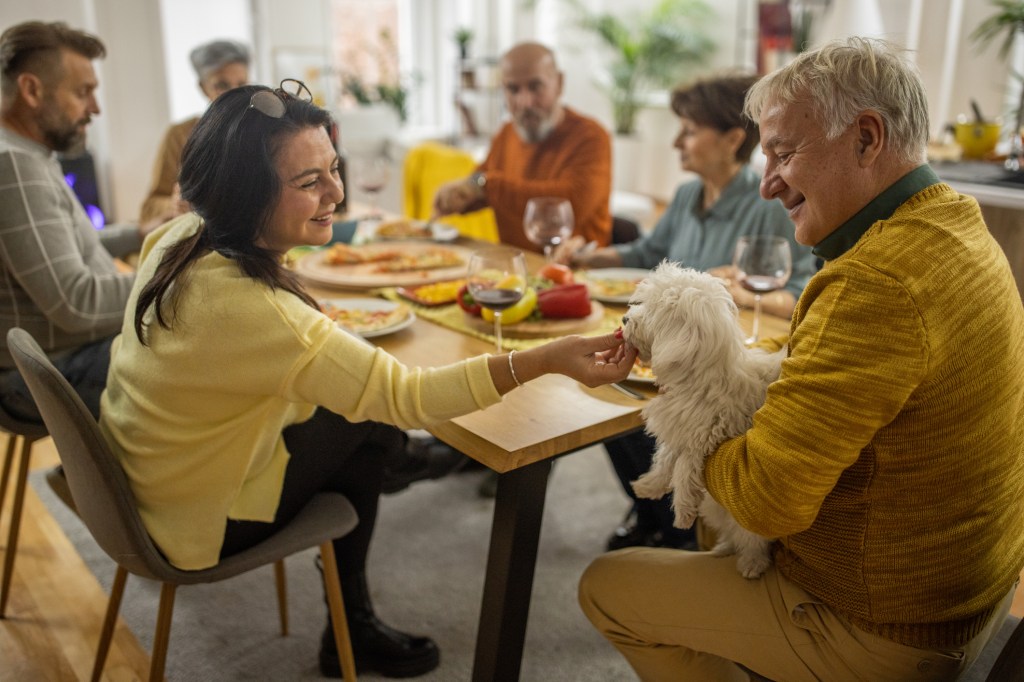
977,140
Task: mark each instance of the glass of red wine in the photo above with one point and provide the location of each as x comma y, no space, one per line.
497,280
763,264
547,222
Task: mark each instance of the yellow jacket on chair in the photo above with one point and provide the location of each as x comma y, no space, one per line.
427,167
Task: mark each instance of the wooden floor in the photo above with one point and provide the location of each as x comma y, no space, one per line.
56,606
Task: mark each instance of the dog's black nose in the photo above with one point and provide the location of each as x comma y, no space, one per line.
625,319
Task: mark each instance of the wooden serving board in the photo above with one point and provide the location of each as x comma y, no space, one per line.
314,268
541,329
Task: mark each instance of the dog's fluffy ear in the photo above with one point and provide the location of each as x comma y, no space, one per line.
696,322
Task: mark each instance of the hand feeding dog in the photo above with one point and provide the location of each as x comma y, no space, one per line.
684,322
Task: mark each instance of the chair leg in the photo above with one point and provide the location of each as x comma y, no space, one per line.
12,534
107,631
282,595
337,608
163,633
12,442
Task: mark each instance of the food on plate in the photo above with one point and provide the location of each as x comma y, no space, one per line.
363,320
516,312
556,273
467,302
403,228
344,254
613,288
437,293
393,260
642,371
566,301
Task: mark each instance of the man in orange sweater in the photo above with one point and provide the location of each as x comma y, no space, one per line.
547,149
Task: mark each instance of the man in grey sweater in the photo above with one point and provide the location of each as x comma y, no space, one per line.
58,276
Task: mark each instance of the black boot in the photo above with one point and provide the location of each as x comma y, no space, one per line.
377,648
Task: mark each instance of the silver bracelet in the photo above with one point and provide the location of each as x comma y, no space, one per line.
512,369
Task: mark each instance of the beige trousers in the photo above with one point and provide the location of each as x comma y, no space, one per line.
689,616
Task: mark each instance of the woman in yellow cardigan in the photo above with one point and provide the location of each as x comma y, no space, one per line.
232,399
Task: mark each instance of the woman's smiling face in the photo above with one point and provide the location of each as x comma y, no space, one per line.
307,165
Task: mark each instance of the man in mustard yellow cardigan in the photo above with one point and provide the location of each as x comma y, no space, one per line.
889,456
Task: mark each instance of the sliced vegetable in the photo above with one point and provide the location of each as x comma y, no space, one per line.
566,301
515,313
557,273
467,302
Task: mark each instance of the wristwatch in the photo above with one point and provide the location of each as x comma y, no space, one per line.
479,179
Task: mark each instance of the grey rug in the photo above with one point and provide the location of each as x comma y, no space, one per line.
426,576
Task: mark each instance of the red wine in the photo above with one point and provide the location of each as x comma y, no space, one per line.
760,284
497,299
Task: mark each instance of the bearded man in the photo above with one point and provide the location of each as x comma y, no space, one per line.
546,149
58,278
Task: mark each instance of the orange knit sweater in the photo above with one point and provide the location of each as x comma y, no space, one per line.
889,455
574,162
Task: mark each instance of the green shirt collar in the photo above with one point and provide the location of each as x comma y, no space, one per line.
879,208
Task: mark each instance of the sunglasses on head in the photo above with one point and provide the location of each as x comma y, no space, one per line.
272,103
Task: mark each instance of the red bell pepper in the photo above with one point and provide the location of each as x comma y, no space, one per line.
566,301
467,302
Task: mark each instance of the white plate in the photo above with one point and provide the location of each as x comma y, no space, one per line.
440,232
641,378
372,304
617,274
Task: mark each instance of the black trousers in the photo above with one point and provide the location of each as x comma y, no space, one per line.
631,457
329,453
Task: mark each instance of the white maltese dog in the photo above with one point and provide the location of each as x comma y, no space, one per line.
684,323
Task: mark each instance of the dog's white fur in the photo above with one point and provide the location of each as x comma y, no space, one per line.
684,322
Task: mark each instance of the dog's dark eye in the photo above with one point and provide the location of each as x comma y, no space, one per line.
625,319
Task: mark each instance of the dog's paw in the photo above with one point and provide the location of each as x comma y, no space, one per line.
752,565
723,548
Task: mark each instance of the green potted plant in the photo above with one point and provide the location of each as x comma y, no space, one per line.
1007,24
648,50
463,37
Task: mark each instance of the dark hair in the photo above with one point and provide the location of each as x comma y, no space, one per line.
718,103
229,176
35,46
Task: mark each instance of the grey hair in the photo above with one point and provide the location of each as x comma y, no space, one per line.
214,55
843,78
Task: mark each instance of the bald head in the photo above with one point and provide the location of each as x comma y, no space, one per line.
533,90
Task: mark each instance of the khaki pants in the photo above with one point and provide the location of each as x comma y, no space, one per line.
689,616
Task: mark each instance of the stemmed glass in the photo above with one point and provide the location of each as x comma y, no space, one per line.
371,175
763,264
497,280
548,222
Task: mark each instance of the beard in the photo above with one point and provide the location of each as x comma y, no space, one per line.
534,126
61,134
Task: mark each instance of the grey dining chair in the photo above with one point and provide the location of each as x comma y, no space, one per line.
28,433
106,505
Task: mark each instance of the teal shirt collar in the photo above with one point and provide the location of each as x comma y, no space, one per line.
879,208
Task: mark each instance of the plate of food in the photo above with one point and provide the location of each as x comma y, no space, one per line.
384,264
429,295
642,373
401,229
368,317
613,285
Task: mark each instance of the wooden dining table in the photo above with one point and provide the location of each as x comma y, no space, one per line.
520,438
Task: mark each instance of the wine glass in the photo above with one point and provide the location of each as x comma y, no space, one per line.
497,280
548,222
371,175
763,264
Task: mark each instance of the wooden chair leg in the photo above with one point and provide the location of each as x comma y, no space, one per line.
282,595
12,442
109,620
12,534
337,608
163,633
